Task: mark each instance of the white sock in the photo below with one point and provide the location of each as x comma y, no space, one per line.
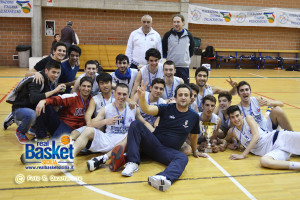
294,165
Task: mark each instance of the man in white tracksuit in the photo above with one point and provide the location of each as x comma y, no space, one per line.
140,41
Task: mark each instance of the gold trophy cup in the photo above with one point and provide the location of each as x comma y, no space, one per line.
208,129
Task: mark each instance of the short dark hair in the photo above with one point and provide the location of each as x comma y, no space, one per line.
201,69
226,95
210,98
122,85
56,34
232,109
183,86
159,81
105,77
59,44
179,15
100,69
122,57
194,87
74,48
52,64
240,84
152,52
90,62
169,62
85,78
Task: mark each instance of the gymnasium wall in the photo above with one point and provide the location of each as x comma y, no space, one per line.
13,31
102,26
113,27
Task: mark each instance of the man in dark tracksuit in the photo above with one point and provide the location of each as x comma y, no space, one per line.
177,121
178,46
27,98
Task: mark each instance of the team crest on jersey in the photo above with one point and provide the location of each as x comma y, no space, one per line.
130,119
258,110
186,124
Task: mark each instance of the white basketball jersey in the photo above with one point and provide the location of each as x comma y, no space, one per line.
207,91
122,125
265,141
149,118
170,91
128,82
101,102
225,124
194,106
255,111
95,88
149,77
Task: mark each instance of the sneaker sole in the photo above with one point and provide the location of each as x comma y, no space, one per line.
117,158
159,184
88,166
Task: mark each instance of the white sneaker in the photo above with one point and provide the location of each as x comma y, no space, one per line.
130,167
159,182
96,163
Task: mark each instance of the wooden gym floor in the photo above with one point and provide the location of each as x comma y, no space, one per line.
214,178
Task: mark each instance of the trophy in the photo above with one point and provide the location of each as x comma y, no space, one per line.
208,129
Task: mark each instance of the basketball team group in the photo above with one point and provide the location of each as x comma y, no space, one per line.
147,106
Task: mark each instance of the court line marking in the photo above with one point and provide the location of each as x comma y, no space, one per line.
244,190
97,190
257,75
8,92
134,182
274,99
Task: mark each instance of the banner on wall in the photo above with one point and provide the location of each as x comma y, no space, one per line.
13,8
273,17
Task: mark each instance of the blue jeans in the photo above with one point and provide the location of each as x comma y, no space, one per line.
62,129
48,120
139,135
26,117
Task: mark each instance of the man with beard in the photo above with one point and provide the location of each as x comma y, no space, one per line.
201,76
